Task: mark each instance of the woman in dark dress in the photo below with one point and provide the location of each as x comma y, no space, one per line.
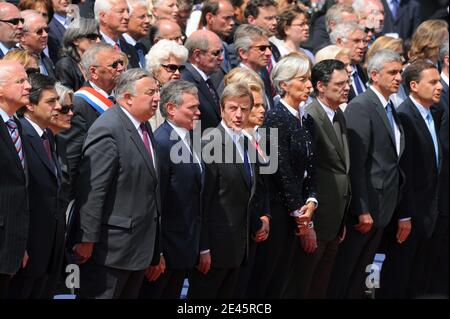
292,188
78,38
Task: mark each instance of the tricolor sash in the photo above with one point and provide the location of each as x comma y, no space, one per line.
99,102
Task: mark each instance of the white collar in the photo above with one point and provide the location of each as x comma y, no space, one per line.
61,19
253,134
203,74
422,109
235,136
109,40
133,120
444,77
4,48
328,110
36,127
382,99
99,90
129,39
293,111
5,115
181,131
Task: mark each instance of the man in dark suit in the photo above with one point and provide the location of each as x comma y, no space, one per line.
376,142
352,36
44,243
14,210
11,27
138,28
34,39
204,59
444,59
101,64
320,244
118,206
401,17
113,18
181,188
231,179
58,25
405,271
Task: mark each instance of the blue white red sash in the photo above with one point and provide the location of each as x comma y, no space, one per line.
99,102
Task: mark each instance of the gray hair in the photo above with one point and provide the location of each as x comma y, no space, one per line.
335,14
193,43
28,15
236,90
245,35
173,92
161,53
343,30
75,31
443,51
127,81
62,91
134,3
288,68
380,58
89,57
102,6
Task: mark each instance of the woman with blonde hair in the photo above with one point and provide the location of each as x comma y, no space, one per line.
27,59
384,42
427,40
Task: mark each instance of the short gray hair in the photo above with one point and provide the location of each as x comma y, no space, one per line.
380,58
27,15
335,14
173,92
75,31
161,52
236,90
127,81
133,3
62,91
89,57
288,68
193,43
343,30
443,51
245,35
102,6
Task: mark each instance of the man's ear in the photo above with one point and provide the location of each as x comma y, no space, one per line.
413,86
320,86
251,19
209,16
242,54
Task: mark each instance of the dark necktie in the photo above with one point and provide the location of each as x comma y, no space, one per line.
359,88
47,147
390,116
247,167
337,130
112,99
17,141
213,91
146,140
395,4
141,55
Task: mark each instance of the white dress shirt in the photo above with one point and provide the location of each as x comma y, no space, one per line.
182,133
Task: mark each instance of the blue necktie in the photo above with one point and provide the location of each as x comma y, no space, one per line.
390,115
431,128
359,88
247,166
395,4
141,55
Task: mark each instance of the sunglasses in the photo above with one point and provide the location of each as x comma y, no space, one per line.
367,30
41,31
262,48
65,109
14,21
92,36
113,65
32,71
172,68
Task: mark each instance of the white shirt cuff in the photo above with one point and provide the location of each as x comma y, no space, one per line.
404,219
204,252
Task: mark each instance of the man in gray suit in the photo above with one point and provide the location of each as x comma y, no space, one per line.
320,244
118,194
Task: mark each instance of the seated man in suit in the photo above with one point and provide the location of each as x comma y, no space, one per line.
405,272
44,243
181,188
34,39
165,29
118,196
14,210
113,18
231,179
138,27
205,55
11,27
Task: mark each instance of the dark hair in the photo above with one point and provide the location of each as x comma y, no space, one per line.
39,83
252,8
286,17
31,4
209,6
237,3
413,72
323,71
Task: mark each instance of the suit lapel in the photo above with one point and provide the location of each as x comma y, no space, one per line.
4,132
382,114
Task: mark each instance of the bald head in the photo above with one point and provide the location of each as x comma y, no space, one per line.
205,50
167,29
14,86
10,33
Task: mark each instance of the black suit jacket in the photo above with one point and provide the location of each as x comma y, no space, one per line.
181,188
363,77
332,173
375,172
45,216
117,194
228,202
130,51
210,110
443,116
48,65
14,208
408,19
55,39
419,165
68,73
320,38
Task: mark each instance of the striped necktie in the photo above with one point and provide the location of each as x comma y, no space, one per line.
17,141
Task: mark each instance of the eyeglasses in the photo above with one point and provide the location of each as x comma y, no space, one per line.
262,48
215,53
40,31
180,38
367,30
32,71
172,68
113,65
66,108
14,21
91,36
302,25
